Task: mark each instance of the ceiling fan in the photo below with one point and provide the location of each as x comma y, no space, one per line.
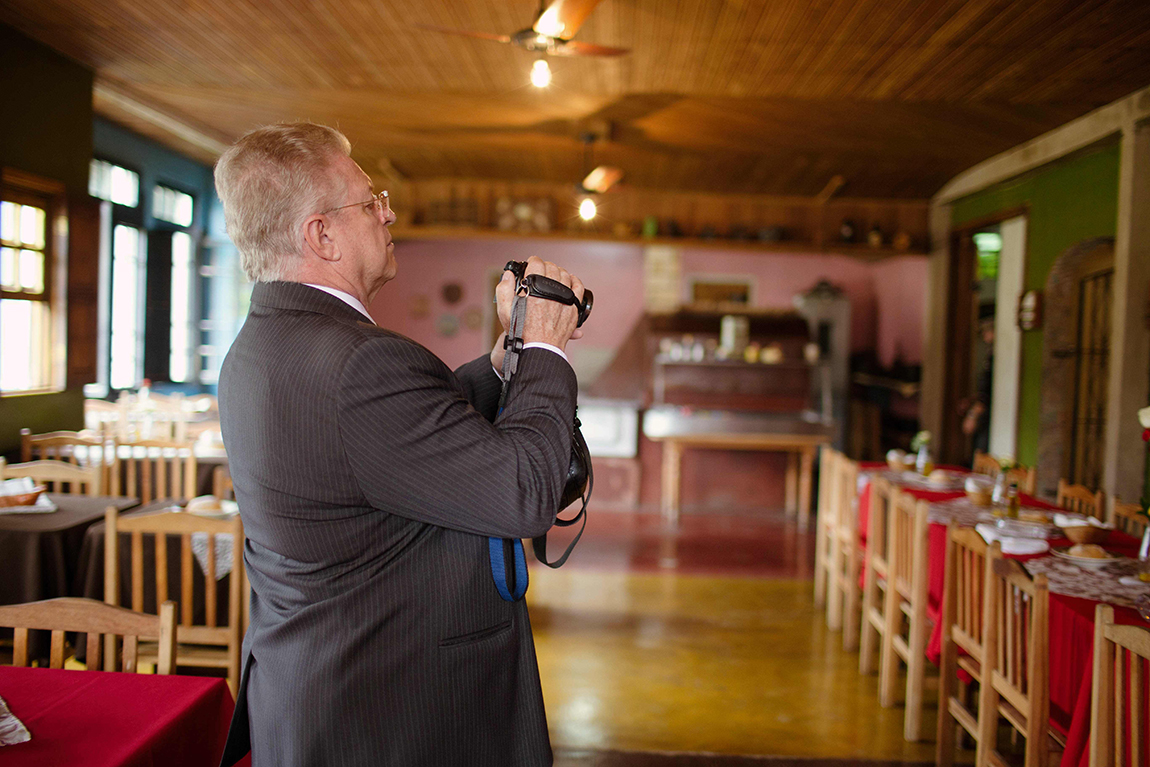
555,24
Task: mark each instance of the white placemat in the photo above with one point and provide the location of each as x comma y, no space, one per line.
12,730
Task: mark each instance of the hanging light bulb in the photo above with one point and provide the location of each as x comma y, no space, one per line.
540,73
587,209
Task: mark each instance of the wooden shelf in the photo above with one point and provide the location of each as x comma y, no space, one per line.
855,250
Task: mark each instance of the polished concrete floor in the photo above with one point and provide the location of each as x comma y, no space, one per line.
705,640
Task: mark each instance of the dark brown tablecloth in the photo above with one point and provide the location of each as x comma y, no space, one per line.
40,553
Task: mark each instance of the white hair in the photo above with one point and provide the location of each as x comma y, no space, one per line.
269,182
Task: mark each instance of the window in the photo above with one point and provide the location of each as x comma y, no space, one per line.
181,343
29,209
126,360
114,184
172,206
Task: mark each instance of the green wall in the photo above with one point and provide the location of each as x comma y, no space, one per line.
1068,202
46,131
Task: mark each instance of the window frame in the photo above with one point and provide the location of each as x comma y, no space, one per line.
25,188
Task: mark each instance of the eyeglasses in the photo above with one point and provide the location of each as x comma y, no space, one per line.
380,201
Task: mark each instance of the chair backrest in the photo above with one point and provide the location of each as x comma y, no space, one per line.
182,524
56,476
1129,518
1118,729
1081,499
1025,477
1017,643
59,446
828,477
109,419
151,469
222,486
846,495
88,616
985,463
882,495
965,589
906,543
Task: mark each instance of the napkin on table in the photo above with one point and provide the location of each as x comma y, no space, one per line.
1015,546
12,730
1065,520
17,486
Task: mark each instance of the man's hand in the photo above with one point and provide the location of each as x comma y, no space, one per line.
548,322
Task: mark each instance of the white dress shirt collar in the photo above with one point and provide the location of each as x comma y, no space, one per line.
347,298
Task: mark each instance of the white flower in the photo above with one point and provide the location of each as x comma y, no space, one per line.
1144,417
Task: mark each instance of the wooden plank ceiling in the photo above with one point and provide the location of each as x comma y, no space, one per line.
741,96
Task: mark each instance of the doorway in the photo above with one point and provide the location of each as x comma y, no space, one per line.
1076,365
988,260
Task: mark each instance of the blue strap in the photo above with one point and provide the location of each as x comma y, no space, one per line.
495,547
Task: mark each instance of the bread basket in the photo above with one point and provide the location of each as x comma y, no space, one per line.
1087,534
22,499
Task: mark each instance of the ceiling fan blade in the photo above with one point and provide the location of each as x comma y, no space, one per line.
602,178
576,48
466,33
563,18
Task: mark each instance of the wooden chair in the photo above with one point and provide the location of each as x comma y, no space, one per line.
222,487
824,524
986,464
87,616
76,448
108,419
1026,478
905,630
55,475
1081,499
965,595
1129,518
1118,731
208,644
876,572
1016,665
846,553
151,469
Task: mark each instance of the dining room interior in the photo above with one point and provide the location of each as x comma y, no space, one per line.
865,385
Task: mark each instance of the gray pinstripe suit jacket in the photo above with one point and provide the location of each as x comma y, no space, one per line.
368,476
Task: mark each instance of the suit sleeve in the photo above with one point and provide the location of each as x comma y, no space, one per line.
481,385
419,450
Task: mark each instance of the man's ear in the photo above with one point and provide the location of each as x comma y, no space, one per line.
317,234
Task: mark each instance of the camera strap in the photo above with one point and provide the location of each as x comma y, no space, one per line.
511,582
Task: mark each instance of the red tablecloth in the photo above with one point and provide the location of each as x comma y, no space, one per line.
1071,629
96,718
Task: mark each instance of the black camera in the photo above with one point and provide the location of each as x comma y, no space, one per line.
545,287
580,478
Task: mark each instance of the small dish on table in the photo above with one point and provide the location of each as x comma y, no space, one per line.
1086,555
210,507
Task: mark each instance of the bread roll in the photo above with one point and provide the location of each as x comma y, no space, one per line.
1088,551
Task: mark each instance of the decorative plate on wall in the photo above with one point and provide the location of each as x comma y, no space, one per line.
452,292
447,325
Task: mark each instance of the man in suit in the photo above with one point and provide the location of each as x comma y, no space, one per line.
369,477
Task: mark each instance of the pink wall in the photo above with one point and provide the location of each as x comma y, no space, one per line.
887,297
900,289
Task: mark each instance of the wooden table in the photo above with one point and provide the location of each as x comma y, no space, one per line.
681,428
